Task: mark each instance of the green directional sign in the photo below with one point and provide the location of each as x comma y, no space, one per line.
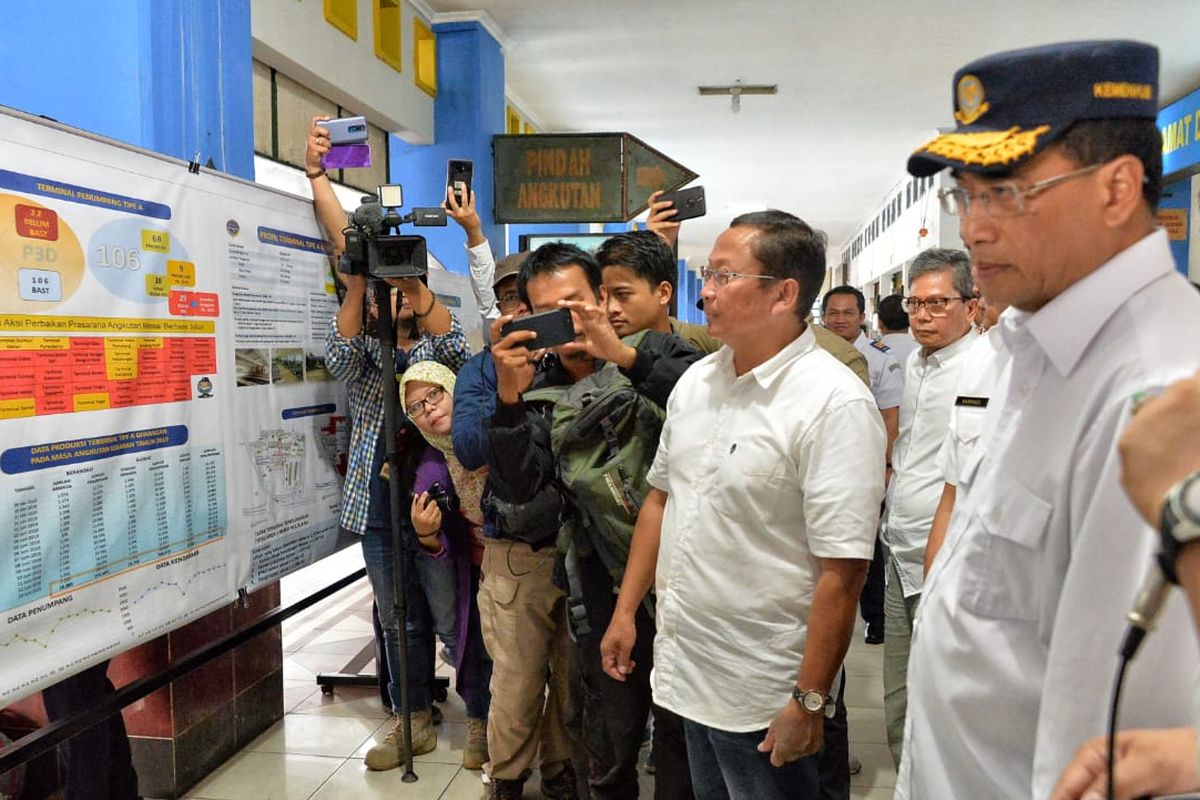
589,177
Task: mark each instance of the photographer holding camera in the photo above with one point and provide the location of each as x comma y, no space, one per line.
424,331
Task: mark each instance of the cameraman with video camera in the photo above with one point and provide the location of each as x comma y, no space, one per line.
424,331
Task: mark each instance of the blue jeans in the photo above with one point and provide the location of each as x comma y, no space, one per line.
728,766
439,584
431,595
377,555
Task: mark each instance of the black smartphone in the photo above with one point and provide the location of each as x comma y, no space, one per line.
552,328
347,130
689,202
458,178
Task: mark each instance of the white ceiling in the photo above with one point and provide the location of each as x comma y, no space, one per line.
861,83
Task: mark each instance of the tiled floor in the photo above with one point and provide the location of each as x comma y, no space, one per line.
317,750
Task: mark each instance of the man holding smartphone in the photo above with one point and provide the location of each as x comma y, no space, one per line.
523,469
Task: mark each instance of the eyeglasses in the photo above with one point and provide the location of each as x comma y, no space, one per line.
936,306
721,277
422,406
508,299
1002,199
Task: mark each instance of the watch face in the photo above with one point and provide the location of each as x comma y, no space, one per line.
813,702
1189,499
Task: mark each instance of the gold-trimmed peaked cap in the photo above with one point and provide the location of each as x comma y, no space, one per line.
1009,106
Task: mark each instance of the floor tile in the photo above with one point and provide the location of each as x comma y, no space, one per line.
871,792
295,692
865,691
867,724
353,781
878,769
267,776
346,701
866,661
337,641
316,735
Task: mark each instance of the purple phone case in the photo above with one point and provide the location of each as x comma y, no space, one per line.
343,156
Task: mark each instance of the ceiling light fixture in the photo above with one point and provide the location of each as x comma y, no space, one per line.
737,89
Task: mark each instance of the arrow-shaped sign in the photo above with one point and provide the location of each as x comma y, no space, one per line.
584,177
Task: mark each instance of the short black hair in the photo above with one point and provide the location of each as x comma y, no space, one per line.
1097,141
891,313
554,257
788,247
847,289
644,252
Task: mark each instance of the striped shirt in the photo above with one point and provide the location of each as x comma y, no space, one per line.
355,362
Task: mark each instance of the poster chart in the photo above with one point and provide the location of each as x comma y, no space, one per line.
169,432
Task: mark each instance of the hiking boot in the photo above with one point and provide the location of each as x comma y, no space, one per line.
475,753
561,785
389,753
500,789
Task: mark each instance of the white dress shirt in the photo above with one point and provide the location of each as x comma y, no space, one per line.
901,344
1014,649
887,374
916,487
976,382
765,473
482,266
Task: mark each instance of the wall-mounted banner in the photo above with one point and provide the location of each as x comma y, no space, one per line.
169,432
1180,127
587,177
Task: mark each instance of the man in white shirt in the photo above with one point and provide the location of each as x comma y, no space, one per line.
758,529
893,326
940,306
1058,167
844,311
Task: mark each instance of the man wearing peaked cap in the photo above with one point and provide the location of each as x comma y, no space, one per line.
1057,164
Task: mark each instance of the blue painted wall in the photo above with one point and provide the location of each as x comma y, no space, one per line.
1177,195
168,75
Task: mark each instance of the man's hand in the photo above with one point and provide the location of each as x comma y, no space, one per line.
514,369
318,144
465,215
617,645
793,734
659,220
1161,446
1149,762
426,519
599,339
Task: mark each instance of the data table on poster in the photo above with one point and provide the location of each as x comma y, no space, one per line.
67,532
58,375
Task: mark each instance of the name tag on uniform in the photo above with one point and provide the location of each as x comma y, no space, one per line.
971,402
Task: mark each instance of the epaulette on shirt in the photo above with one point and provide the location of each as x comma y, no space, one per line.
880,346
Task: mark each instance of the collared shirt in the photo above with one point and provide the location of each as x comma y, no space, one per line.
355,362
916,487
901,344
765,473
1015,647
976,381
887,374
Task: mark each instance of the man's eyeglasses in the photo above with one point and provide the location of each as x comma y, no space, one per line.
422,406
1002,199
936,306
508,299
721,277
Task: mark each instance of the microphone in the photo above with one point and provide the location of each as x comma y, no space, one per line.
1151,598
368,216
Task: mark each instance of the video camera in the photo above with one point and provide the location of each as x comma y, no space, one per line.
373,245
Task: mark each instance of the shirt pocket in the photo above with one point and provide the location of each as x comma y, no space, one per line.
1000,565
747,480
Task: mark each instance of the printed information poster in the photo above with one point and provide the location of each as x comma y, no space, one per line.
168,430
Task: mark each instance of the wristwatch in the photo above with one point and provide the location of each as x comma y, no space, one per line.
1180,522
813,701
